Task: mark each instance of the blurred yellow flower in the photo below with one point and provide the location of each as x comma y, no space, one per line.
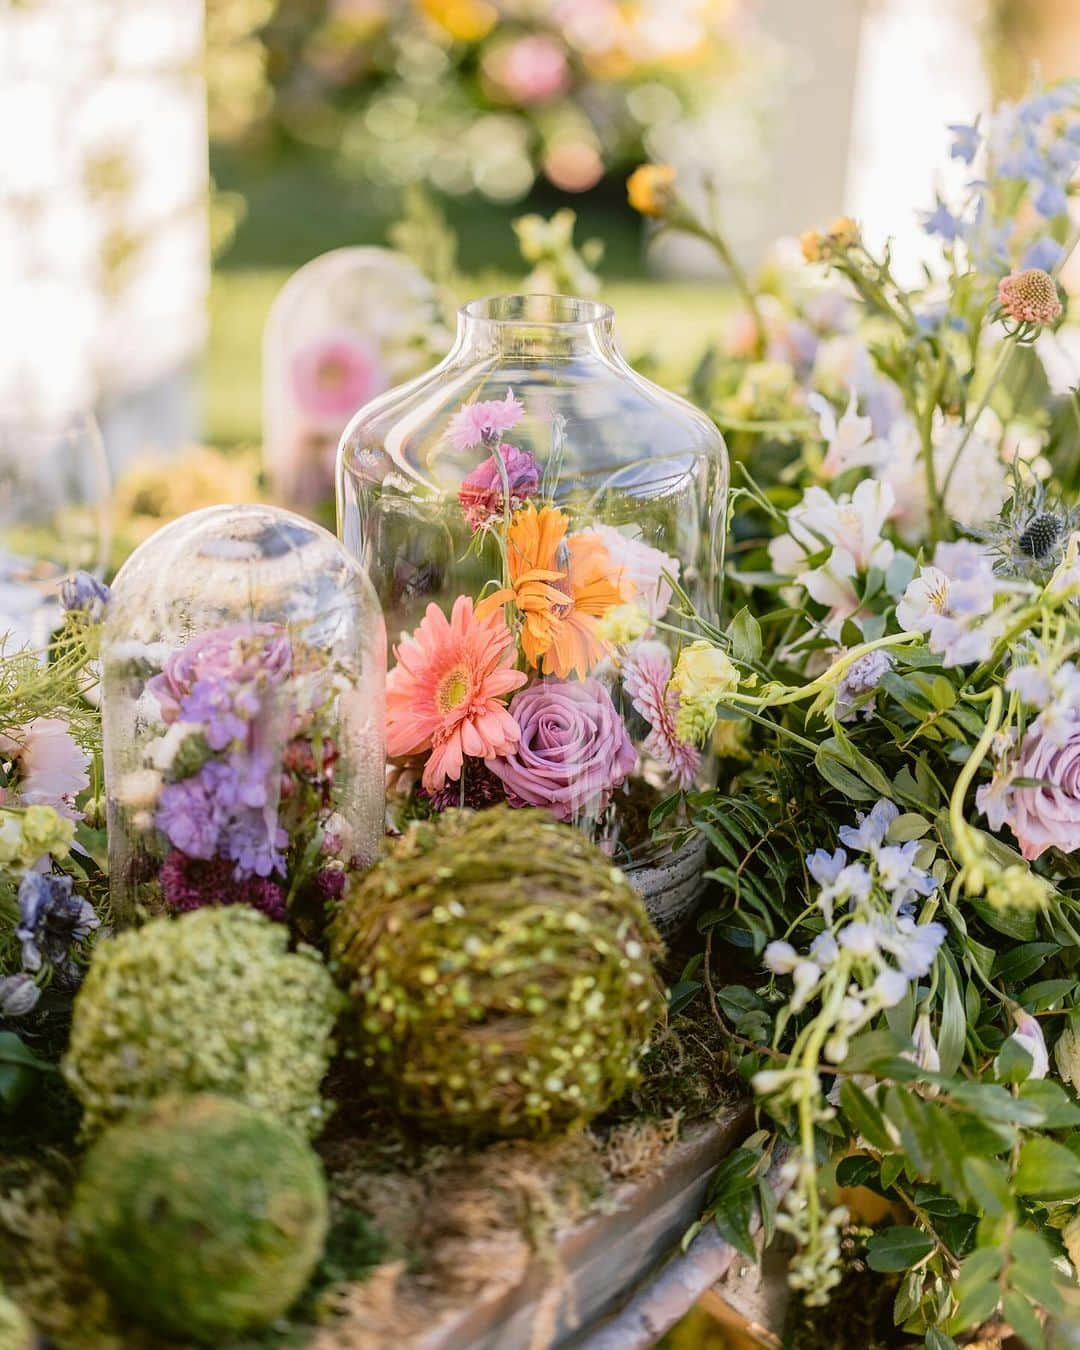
623,623
651,189
463,20
810,242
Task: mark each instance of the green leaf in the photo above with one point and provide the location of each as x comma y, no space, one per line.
937,1340
992,1102
1047,1170
891,1167
1058,1108
13,1051
988,1185
1013,1063
898,1248
857,1169
733,1223
864,1116
908,826
1017,963
745,634
843,779
952,1034
870,1050
1021,1317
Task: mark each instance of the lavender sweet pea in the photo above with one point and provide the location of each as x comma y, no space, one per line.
573,752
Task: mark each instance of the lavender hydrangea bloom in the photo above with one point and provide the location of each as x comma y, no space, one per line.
224,810
51,919
235,653
187,814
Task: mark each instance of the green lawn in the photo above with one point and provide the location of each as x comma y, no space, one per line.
671,321
296,208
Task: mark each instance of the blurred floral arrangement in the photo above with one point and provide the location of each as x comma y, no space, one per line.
476,95
899,891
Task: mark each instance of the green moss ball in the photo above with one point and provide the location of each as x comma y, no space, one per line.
210,1002
500,970
15,1331
201,1216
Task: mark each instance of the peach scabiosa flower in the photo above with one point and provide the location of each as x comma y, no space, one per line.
444,694
562,587
1029,297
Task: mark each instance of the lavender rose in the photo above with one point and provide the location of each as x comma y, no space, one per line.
573,752
1042,817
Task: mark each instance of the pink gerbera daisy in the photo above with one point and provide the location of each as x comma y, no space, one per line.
646,673
484,423
444,694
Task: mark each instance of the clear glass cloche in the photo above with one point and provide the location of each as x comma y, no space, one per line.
540,523
243,667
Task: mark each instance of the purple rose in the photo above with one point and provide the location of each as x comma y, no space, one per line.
573,752
481,494
236,652
1048,816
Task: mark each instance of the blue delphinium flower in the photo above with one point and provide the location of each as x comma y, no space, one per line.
966,141
51,918
1044,253
941,221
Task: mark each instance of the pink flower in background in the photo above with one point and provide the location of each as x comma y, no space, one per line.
52,768
646,673
572,752
335,375
647,568
235,652
1041,817
445,692
530,69
484,423
481,494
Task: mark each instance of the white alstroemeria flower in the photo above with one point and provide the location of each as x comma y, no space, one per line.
850,442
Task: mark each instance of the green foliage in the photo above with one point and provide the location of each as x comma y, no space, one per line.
212,1001
201,1216
500,970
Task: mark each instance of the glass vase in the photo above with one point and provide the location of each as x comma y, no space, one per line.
542,525
243,663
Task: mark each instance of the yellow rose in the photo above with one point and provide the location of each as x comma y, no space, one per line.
651,189
703,675
623,623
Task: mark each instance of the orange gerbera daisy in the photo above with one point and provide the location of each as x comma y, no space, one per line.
444,693
561,586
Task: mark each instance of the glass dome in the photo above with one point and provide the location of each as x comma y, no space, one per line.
243,667
539,521
343,329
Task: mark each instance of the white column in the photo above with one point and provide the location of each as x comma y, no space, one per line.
104,264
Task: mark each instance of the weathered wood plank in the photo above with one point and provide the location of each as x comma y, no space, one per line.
600,1260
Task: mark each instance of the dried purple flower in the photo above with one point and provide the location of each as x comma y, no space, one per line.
82,593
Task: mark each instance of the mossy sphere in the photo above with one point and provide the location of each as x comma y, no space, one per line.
201,1216
501,974
213,1001
15,1331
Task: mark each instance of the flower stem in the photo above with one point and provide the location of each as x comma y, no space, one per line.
1004,357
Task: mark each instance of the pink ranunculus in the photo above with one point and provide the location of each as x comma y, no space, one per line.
236,651
481,494
530,69
1048,816
336,374
573,751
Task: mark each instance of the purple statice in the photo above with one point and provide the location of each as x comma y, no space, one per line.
51,919
191,883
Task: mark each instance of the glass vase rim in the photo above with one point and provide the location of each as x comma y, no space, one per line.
579,312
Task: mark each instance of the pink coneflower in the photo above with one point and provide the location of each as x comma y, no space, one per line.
1030,296
335,375
484,423
481,494
444,693
646,673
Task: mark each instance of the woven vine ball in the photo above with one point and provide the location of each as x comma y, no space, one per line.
501,976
